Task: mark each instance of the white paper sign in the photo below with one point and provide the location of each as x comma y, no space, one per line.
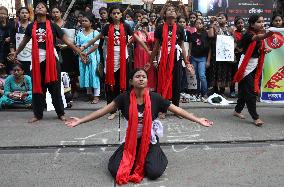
26,53
70,33
49,104
225,48
133,2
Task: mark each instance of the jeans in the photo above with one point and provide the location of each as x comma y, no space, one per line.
199,64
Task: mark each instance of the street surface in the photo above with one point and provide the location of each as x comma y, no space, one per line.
233,152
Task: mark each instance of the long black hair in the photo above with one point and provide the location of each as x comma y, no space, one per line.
110,11
47,9
252,20
273,18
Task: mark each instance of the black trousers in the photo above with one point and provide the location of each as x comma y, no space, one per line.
113,92
176,84
247,95
155,163
54,89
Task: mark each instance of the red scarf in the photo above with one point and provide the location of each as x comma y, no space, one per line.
240,73
50,72
166,66
110,57
129,153
238,35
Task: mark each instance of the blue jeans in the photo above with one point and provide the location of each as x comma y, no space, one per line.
199,64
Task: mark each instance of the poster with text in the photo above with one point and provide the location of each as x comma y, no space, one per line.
272,85
26,54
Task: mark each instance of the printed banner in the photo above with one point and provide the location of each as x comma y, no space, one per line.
225,48
133,2
26,54
234,8
112,1
272,85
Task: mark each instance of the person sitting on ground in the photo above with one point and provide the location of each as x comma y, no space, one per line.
17,89
140,107
3,76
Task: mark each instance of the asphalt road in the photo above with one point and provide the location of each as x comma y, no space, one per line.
233,152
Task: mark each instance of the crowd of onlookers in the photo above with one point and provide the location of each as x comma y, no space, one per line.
210,76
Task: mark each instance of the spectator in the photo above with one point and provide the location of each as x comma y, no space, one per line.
17,89
200,54
152,23
88,77
6,44
21,25
3,76
277,21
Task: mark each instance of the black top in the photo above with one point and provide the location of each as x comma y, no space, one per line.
127,29
41,33
200,44
246,41
158,104
180,34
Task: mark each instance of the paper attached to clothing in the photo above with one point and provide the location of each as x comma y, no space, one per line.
225,48
49,104
26,53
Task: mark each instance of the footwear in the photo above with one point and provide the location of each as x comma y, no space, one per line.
112,116
258,122
239,115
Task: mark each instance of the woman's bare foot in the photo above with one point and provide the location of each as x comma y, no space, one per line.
34,119
239,115
258,122
62,118
112,116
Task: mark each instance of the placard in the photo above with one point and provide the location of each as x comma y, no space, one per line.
225,48
26,53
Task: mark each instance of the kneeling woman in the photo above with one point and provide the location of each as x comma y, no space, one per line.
139,107
17,89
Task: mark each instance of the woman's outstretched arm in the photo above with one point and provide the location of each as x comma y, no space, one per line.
92,116
183,113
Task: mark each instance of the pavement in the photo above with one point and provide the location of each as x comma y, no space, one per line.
233,152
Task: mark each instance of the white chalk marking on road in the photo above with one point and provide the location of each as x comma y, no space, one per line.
206,147
82,143
178,151
160,180
103,149
187,136
92,135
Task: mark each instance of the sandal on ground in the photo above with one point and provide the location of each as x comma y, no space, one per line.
258,122
239,115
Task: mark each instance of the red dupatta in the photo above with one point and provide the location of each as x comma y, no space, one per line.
240,73
110,57
166,66
124,174
50,72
